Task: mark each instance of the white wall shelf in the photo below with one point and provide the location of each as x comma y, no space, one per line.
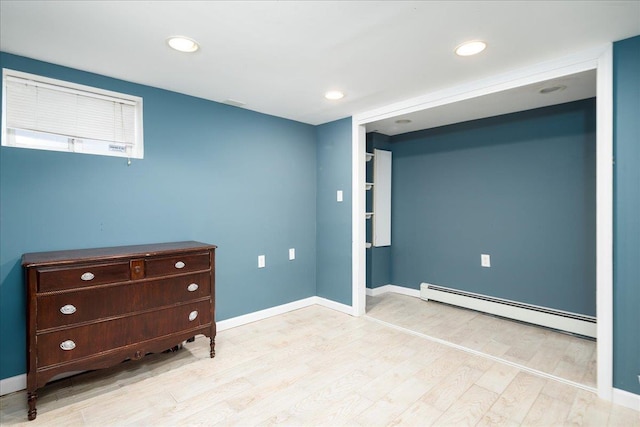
381,224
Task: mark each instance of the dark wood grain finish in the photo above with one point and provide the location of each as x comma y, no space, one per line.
117,252
137,269
117,355
104,302
135,301
51,278
161,266
120,332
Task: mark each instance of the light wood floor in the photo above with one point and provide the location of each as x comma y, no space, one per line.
315,366
563,355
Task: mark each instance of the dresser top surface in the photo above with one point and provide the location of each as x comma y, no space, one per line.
78,255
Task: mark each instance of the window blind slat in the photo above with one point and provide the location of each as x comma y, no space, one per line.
23,101
60,88
51,109
56,113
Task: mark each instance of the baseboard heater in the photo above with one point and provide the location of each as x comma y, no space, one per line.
551,318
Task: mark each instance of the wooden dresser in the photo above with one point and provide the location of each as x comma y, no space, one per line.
94,308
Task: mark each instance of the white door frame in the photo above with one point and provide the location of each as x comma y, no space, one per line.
599,59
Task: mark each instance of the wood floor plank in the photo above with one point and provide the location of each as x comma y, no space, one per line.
381,413
332,370
390,379
623,417
447,391
552,352
547,411
333,403
518,397
497,377
418,414
560,391
469,409
492,419
588,410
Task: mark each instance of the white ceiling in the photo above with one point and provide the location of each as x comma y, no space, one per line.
574,87
280,57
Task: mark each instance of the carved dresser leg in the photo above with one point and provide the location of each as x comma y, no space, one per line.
32,396
212,343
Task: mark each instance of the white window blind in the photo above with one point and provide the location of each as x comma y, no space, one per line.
49,114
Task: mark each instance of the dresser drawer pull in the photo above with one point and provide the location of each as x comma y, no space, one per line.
193,315
87,276
67,345
192,287
180,264
68,309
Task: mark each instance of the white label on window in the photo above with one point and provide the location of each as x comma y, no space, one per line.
118,148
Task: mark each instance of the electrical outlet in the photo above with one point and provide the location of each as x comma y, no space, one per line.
485,260
292,254
261,261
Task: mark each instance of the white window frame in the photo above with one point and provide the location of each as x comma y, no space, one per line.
43,140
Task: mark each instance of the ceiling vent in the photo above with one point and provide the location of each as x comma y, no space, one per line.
233,102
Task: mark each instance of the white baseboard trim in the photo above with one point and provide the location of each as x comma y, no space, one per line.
19,382
343,308
393,288
12,384
264,314
626,399
374,292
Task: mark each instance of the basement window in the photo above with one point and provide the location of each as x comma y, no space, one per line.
47,114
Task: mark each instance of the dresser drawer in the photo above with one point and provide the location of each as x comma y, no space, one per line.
156,267
75,343
60,278
68,308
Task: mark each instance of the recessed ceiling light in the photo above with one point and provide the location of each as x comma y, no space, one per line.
470,48
183,44
552,89
334,95
403,121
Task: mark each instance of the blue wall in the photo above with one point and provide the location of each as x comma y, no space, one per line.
520,187
214,173
333,229
626,249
